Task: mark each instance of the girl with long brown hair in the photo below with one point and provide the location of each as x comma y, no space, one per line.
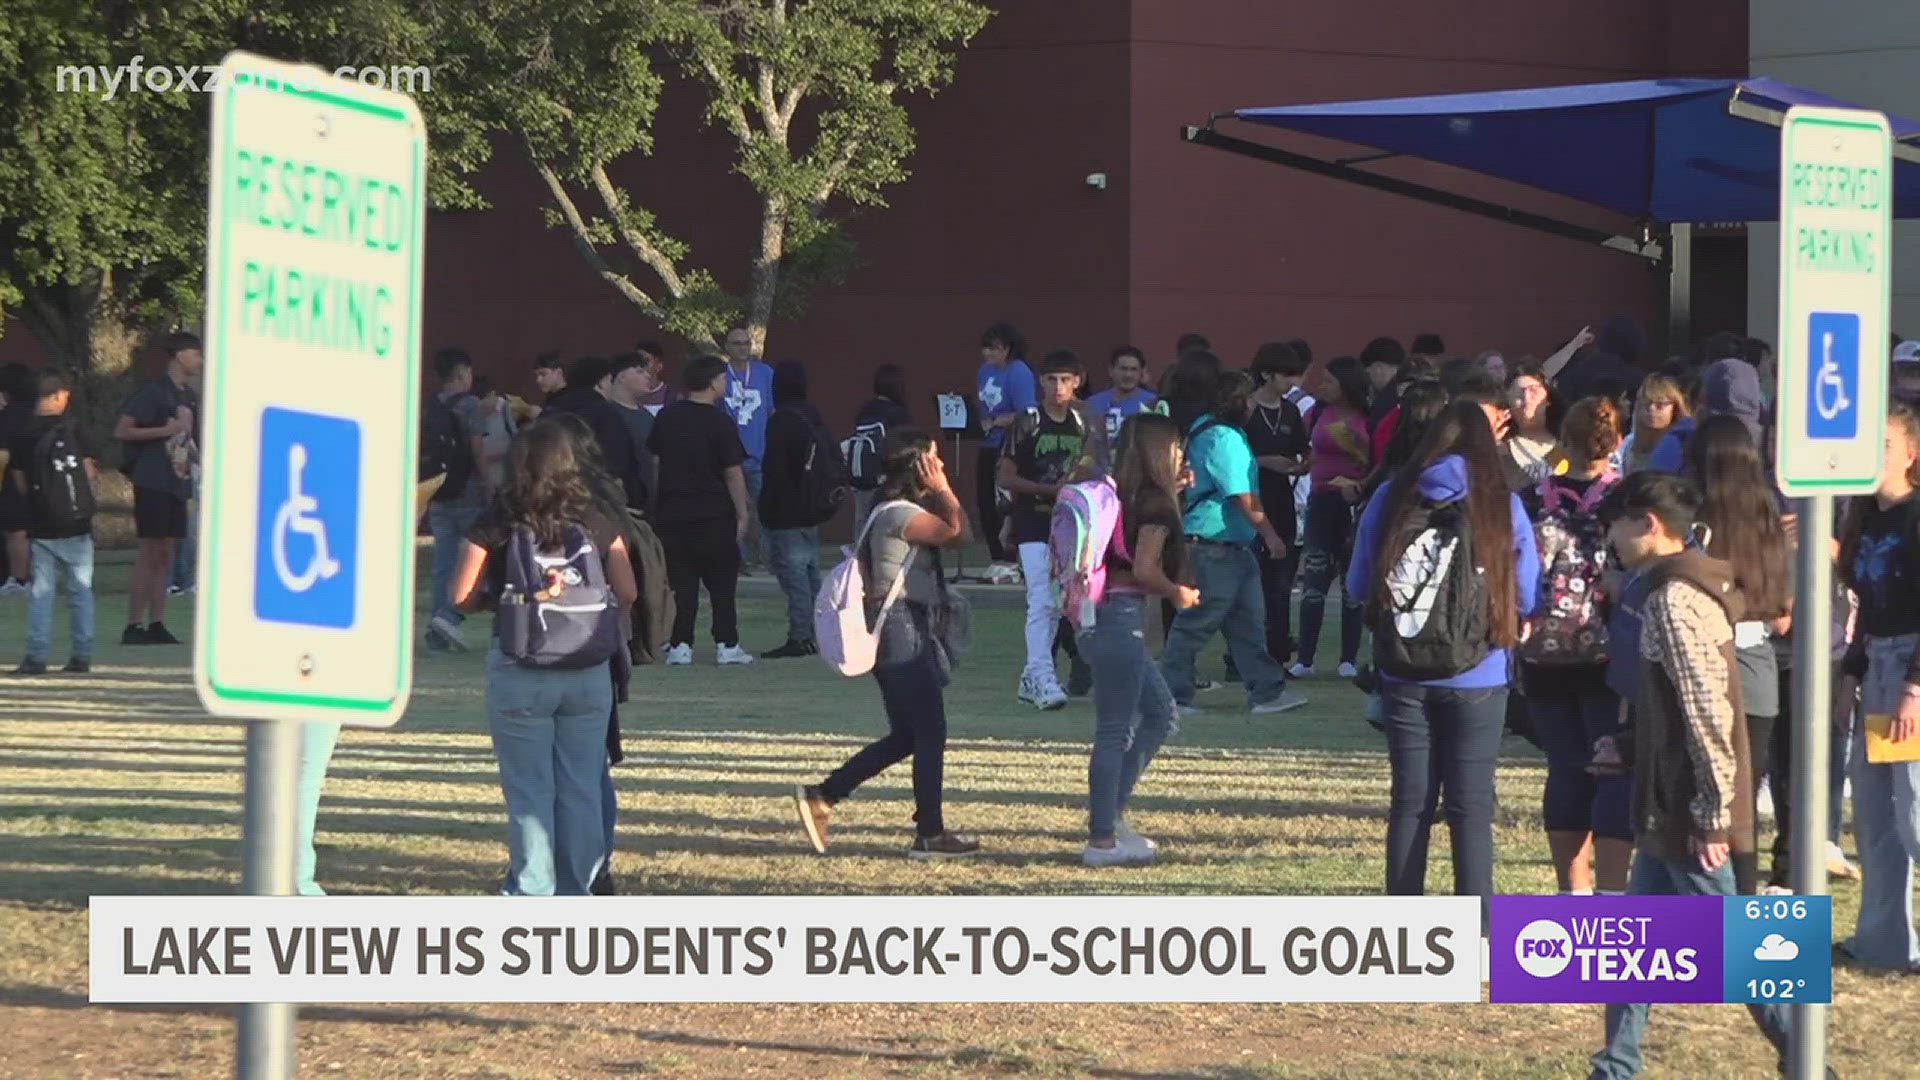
1133,709
1444,734
1744,528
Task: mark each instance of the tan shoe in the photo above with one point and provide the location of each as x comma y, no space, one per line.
814,812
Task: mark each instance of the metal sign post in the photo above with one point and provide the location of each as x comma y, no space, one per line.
315,216
1835,223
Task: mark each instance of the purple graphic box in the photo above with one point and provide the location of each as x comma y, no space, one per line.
1591,949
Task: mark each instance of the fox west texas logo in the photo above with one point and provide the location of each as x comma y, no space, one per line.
1610,948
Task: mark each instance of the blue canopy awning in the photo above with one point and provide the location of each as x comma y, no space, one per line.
1661,151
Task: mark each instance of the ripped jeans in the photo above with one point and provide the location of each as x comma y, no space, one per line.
1327,545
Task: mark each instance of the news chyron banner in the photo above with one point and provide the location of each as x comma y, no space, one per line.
339,949
1662,949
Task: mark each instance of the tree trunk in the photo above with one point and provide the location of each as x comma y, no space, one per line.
766,272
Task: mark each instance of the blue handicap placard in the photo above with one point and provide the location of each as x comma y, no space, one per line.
1833,375
304,567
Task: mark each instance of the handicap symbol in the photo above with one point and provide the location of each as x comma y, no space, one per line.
296,515
1830,396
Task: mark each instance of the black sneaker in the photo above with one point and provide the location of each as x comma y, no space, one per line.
603,883
31,667
437,642
134,634
948,845
792,649
78,666
158,634
1080,678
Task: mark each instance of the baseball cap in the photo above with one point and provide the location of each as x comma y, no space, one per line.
1906,350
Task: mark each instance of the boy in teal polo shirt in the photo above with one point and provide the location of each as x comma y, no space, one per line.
1223,519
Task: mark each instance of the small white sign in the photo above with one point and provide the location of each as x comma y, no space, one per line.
1836,219
314,226
953,411
208,949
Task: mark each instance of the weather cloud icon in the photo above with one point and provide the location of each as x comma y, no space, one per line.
1776,947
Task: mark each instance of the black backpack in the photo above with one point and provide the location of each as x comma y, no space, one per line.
556,609
444,448
1435,625
863,454
61,494
824,476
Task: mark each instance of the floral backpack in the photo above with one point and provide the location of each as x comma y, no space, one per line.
1569,623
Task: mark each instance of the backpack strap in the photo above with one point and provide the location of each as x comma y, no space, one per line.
900,579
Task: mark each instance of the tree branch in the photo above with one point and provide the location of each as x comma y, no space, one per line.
769,109
577,227
834,172
642,247
736,116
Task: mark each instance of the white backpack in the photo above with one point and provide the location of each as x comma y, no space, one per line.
847,642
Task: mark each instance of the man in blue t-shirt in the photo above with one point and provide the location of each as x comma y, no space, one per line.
749,401
1128,369
1006,389
1223,518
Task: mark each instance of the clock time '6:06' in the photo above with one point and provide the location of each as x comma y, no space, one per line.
1781,908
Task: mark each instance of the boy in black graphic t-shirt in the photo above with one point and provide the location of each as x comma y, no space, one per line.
1057,442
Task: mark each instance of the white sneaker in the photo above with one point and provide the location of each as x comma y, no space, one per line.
733,654
1124,833
1348,671
1001,573
1120,854
1043,695
1300,671
1763,799
12,587
449,630
1286,702
679,655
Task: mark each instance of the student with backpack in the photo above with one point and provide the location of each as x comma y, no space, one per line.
1132,541
886,412
904,613
1445,557
551,564
1692,778
1053,443
804,485
48,469
451,443
1563,664
1740,513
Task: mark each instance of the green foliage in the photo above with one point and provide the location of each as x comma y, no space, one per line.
812,93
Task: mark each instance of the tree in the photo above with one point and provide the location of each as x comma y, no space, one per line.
812,92
103,160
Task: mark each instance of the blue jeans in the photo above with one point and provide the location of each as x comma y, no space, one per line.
1442,746
794,555
1656,876
753,549
317,740
550,739
1233,602
1132,708
71,561
449,522
184,554
1886,820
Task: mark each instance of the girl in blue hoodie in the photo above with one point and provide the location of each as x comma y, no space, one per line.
1444,734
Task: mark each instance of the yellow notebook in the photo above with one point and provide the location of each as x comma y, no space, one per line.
1884,751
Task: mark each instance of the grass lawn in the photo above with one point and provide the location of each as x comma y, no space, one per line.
115,783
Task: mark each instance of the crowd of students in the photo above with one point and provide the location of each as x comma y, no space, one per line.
1525,557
